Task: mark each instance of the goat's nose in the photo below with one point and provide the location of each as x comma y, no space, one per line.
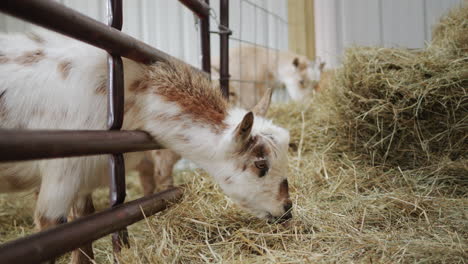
287,213
287,207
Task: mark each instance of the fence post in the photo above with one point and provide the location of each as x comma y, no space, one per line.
205,42
116,97
224,47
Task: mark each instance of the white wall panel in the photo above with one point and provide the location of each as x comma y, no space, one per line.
403,23
361,25
326,28
385,23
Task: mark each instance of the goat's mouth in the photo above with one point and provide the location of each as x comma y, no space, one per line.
279,219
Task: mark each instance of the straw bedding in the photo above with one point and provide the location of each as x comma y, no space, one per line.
379,173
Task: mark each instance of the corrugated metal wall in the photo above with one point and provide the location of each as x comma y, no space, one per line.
387,23
171,27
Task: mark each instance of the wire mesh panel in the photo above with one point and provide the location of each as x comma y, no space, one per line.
259,34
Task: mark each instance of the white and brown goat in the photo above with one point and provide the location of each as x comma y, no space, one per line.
53,82
254,69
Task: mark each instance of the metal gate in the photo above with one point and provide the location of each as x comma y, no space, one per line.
21,145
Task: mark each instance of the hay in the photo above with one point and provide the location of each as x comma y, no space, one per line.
379,176
405,107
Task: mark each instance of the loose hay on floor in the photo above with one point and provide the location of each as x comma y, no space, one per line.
379,174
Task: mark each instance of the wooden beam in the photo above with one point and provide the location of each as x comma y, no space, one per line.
310,28
301,27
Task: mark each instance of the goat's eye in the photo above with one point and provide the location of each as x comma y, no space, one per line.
262,165
302,83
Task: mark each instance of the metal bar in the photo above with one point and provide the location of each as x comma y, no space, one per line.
224,48
205,42
20,145
63,238
118,183
202,9
117,190
117,194
115,85
115,95
57,17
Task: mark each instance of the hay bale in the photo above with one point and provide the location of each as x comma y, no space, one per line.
406,107
450,35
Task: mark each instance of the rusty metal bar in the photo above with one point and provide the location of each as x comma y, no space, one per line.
202,9
63,238
67,21
115,81
224,48
205,42
117,194
115,95
20,145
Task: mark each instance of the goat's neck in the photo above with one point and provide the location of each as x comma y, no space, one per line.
199,141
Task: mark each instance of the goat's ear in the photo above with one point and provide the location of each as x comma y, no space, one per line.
262,106
242,132
296,62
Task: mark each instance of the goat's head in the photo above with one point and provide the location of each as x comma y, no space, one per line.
301,77
254,169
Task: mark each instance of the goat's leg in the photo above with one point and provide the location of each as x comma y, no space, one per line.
84,206
146,169
61,181
164,161
53,203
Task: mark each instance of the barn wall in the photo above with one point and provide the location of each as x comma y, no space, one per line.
387,23
171,27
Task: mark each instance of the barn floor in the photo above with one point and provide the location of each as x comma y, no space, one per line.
344,212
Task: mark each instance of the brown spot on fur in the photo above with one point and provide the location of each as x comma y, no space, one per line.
192,91
35,37
283,191
30,57
138,86
64,68
101,88
260,151
248,145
